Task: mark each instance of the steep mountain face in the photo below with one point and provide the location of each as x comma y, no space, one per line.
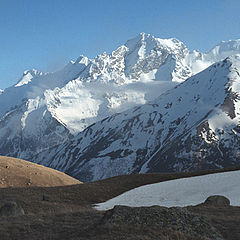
45,109
194,126
26,133
131,75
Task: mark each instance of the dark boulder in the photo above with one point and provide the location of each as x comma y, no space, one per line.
11,209
46,198
217,201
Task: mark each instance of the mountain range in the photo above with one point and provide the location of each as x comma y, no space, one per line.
151,105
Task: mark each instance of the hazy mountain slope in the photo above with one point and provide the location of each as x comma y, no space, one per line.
193,126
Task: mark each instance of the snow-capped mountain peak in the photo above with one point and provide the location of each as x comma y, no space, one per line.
200,61
82,60
45,109
190,127
148,54
27,77
226,48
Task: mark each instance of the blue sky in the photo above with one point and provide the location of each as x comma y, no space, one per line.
46,34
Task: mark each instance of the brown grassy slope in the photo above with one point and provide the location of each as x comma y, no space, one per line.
19,173
68,213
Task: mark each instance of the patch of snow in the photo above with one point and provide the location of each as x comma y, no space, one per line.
181,192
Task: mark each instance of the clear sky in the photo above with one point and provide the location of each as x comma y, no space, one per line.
46,34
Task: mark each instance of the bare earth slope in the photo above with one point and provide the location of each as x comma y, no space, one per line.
19,173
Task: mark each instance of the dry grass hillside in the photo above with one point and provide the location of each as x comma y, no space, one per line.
19,173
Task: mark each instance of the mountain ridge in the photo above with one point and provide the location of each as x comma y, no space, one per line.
45,109
179,131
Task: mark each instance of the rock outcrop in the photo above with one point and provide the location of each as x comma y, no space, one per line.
177,219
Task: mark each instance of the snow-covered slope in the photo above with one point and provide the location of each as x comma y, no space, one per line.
181,192
199,61
86,91
27,125
45,109
195,125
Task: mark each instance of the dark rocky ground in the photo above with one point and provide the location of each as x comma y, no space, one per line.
67,213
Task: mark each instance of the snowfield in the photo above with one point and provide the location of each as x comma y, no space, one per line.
180,192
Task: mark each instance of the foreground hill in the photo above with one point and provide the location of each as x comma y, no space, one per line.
194,126
68,214
19,173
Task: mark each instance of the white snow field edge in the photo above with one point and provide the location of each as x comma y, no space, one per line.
180,192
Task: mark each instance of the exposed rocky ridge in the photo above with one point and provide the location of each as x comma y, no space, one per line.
177,219
186,128
45,109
